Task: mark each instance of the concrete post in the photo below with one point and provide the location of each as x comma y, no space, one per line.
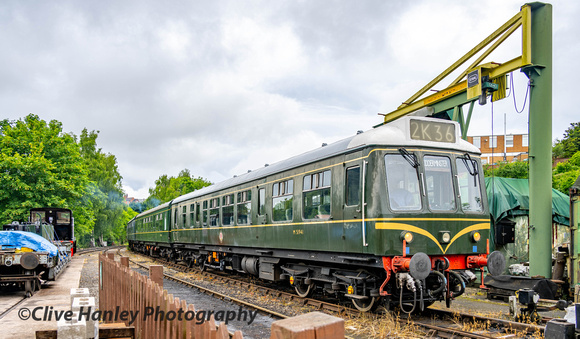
310,325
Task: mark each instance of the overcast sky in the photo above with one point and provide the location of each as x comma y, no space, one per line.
221,87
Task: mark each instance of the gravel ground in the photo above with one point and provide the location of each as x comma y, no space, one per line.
259,327
90,275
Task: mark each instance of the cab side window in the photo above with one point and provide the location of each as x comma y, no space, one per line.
468,182
352,186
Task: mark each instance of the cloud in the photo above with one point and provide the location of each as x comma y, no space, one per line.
224,87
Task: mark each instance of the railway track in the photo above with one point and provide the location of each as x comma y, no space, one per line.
11,304
433,322
215,293
267,291
97,249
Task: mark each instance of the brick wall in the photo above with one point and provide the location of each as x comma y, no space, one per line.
518,150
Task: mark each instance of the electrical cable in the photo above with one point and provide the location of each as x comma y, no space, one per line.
510,87
514,96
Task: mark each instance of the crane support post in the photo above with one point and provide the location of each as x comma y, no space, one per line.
540,131
574,239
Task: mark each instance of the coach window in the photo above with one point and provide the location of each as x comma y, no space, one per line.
183,216
402,183
244,207
262,201
204,214
468,182
191,215
282,194
316,196
197,213
214,212
228,210
352,186
439,183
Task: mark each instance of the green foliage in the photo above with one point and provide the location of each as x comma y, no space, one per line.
563,181
565,174
570,144
106,198
39,166
120,229
168,188
516,169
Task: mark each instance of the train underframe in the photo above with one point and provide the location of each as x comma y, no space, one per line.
26,271
410,283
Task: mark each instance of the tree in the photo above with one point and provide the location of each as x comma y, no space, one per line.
39,166
570,144
168,188
516,169
105,186
566,173
120,228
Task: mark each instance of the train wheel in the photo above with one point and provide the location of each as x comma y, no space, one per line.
366,304
304,291
28,288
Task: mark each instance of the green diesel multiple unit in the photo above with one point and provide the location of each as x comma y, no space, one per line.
395,214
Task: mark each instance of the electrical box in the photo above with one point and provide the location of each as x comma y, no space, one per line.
479,85
505,232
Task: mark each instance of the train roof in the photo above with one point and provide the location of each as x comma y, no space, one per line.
154,209
395,133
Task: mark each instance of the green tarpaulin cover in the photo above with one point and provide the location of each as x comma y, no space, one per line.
511,197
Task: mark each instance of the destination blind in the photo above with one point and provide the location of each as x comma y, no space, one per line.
432,131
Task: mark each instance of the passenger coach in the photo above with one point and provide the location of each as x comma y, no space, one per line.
396,213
